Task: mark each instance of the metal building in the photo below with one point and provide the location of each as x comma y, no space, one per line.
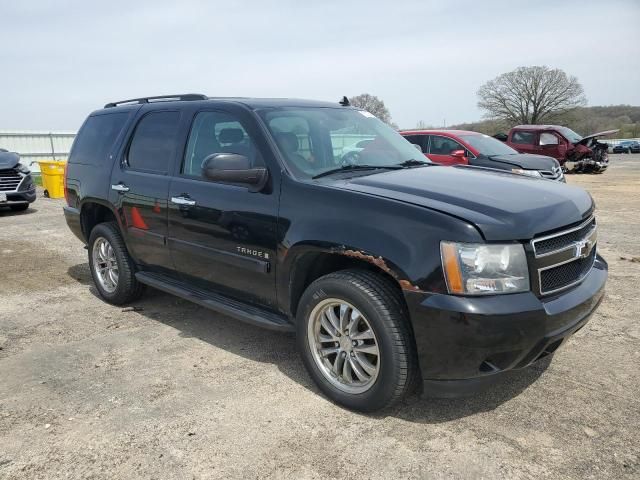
35,146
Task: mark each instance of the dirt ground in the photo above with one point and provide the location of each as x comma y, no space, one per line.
88,390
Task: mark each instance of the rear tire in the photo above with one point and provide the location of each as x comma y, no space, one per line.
373,362
112,268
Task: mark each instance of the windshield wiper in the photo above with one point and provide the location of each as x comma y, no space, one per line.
413,163
347,168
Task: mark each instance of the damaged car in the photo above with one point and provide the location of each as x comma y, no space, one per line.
576,154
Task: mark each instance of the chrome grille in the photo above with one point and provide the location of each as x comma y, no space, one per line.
560,276
564,258
558,241
9,180
553,174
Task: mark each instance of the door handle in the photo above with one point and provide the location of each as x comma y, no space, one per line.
120,188
183,201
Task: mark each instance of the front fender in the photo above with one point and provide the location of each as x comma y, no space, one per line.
290,257
295,263
400,239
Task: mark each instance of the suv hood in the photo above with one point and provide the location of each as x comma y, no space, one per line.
594,135
8,160
526,161
502,205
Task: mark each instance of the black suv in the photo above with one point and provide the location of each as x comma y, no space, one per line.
318,218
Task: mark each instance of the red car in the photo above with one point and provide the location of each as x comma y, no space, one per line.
462,147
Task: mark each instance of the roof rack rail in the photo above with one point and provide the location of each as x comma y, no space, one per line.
160,98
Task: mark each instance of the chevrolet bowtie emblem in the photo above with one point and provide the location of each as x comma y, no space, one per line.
582,249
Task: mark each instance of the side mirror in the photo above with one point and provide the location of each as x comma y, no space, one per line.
234,168
458,154
418,147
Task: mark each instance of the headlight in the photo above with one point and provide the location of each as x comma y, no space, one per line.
479,269
23,168
531,173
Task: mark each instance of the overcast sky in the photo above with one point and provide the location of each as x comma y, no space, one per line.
59,60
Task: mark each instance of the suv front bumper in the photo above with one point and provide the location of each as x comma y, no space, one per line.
17,187
19,198
466,340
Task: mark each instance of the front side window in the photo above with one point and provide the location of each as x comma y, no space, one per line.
443,145
523,138
154,142
316,140
547,138
217,132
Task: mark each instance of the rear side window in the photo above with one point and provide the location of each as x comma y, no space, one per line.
523,138
154,142
420,140
96,138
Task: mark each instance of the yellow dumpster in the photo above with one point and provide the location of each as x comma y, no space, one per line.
52,178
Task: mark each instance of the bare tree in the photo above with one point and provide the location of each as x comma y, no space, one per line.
373,105
530,95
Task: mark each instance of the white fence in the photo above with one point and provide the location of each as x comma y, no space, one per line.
36,146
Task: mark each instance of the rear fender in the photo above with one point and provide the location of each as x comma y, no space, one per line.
98,201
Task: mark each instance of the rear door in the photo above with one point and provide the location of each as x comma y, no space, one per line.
140,185
223,236
441,148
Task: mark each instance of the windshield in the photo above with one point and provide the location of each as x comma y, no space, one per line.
569,134
316,140
487,145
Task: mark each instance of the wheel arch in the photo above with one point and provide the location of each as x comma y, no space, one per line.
307,262
95,211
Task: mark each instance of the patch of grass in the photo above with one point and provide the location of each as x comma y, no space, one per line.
37,179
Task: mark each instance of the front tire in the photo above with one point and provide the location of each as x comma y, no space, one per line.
112,268
20,207
356,341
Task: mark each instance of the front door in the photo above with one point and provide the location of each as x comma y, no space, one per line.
140,185
222,236
550,145
441,149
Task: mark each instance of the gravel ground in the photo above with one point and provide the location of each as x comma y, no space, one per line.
88,390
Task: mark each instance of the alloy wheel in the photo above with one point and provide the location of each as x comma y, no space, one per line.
344,346
105,264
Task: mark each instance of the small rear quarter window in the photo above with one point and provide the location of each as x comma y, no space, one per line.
96,138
